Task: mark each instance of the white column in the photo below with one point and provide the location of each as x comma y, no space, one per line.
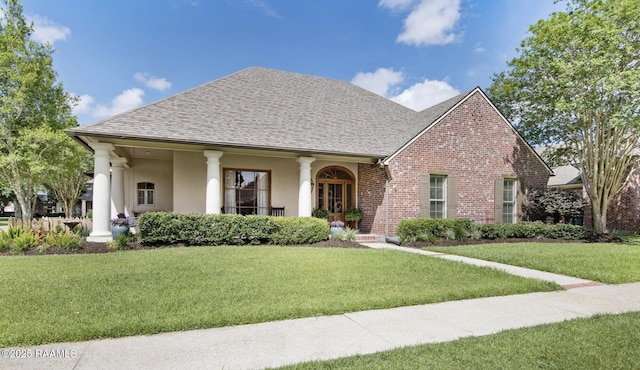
213,202
101,231
84,208
117,186
304,192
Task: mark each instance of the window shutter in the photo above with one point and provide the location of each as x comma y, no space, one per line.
498,198
452,197
425,198
520,199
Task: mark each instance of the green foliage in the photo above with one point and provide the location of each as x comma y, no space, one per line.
535,229
320,213
24,241
431,229
164,228
348,234
299,230
121,244
576,85
5,241
81,230
353,214
64,240
561,205
34,109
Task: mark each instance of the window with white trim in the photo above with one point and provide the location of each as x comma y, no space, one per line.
509,201
246,192
145,193
437,196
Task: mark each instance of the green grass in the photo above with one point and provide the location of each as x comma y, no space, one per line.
605,262
4,221
601,342
59,298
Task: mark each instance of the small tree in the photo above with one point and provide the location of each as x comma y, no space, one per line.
68,178
560,205
34,109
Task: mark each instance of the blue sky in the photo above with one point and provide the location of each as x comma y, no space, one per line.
120,54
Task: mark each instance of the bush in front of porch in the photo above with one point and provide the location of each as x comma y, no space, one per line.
164,228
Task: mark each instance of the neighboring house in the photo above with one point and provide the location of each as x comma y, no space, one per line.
623,213
263,138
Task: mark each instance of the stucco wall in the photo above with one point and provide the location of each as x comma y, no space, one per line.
473,144
156,171
189,181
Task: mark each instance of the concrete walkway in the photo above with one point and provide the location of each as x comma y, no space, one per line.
279,343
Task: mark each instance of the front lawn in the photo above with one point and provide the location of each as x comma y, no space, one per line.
4,221
602,342
613,263
57,298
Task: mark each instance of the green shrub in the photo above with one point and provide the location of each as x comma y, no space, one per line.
5,241
565,231
449,234
425,229
348,234
24,241
164,228
121,244
66,241
299,230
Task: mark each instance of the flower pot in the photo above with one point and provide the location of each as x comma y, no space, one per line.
335,230
117,230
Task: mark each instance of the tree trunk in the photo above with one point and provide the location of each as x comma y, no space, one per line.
599,217
26,207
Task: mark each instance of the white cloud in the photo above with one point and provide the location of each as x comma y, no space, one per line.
430,22
152,82
419,96
425,94
396,4
126,100
266,8
45,30
83,105
378,82
479,48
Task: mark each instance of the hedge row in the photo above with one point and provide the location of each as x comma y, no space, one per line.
164,228
430,230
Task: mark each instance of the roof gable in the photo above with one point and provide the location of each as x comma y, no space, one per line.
433,115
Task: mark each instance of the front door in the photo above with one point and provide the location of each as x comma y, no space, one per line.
335,192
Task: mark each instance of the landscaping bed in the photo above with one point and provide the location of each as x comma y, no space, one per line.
92,247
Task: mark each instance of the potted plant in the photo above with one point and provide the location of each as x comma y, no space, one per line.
119,226
354,215
321,213
337,227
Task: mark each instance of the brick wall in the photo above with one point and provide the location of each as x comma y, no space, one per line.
623,213
472,143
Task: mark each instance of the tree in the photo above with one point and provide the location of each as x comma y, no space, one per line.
559,205
34,109
68,178
576,86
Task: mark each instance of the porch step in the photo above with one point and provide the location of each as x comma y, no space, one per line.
368,238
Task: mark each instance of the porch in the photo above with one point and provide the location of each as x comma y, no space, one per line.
134,179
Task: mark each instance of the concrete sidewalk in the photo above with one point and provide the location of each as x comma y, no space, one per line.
279,343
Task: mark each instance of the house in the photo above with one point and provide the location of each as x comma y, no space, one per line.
263,138
623,212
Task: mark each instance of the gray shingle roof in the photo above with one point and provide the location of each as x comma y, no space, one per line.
270,109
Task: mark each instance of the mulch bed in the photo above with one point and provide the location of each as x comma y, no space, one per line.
92,248
452,243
